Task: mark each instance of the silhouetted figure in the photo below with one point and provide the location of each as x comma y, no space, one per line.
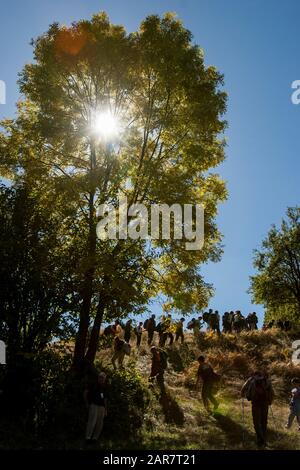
209,379
139,332
121,348
150,326
159,364
226,323
179,330
128,331
96,401
258,389
252,321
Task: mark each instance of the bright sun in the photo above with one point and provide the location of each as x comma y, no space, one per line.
106,125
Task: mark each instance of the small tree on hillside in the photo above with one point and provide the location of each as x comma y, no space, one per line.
277,283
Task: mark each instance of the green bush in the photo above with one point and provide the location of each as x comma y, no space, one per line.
128,400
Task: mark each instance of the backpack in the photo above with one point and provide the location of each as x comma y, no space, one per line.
258,390
163,359
206,316
146,322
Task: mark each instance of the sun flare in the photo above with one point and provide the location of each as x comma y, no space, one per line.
106,125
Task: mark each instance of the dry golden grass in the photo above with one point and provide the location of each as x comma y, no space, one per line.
180,421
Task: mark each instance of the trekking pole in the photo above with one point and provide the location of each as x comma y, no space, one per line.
243,422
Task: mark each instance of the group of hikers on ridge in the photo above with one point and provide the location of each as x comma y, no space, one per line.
258,388
168,329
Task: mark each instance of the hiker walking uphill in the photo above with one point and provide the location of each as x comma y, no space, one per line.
128,331
121,348
294,403
96,402
252,321
215,322
138,332
179,330
226,323
116,328
258,389
158,366
195,325
209,380
167,330
150,327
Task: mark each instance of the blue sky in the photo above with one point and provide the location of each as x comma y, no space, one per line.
254,44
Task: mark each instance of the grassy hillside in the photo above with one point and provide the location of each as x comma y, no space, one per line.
180,421
139,417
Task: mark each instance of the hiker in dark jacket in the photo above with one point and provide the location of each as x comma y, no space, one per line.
179,330
209,379
96,401
258,389
158,366
252,321
226,323
150,327
127,331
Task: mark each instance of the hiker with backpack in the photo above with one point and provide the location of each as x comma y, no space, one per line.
215,322
116,328
150,327
294,403
209,381
158,366
258,389
138,332
226,323
195,325
121,348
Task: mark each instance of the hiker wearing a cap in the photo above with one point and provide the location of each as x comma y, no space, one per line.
96,402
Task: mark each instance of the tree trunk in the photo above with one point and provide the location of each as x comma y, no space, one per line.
95,334
87,290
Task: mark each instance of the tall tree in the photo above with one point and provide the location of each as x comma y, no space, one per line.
92,79
277,283
34,270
